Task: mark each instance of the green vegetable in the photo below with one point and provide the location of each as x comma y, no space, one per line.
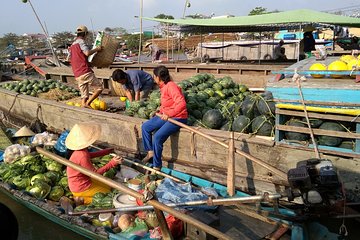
63,183
53,166
53,176
41,177
40,189
56,193
21,182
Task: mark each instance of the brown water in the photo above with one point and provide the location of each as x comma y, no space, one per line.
33,226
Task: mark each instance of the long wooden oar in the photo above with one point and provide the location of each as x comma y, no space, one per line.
131,192
144,167
276,171
210,202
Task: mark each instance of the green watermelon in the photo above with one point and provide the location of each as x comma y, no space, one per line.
213,119
328,140
294,135
241,124
263,125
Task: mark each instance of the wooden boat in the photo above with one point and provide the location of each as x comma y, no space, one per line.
190,152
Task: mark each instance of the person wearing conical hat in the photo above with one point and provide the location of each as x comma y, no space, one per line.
80,137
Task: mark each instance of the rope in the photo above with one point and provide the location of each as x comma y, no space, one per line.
297,78
192,144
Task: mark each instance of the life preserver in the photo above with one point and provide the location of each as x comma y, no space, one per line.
243,58
206,57
267,57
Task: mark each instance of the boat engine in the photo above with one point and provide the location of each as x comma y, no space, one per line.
317,182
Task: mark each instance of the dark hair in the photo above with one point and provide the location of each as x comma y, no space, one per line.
163,73
118,75
81,34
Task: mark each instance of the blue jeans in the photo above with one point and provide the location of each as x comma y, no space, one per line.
155,143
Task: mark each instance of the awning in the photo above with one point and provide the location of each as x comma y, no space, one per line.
266,22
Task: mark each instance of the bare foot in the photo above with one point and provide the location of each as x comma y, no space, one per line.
148,156
86,106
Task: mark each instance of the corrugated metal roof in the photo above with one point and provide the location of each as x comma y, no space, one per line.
265,22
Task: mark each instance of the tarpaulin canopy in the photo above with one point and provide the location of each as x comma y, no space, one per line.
294,19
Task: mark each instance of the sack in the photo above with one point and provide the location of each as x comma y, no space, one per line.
60,147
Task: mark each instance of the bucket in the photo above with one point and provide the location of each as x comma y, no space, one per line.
134,184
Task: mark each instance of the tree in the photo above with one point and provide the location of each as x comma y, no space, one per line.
62,39
163,16
258,11
115,31
9,38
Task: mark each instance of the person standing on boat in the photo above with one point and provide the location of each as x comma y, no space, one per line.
136,83
80,137
154,51
173,105
84,75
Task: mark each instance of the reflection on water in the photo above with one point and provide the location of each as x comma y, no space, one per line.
33,226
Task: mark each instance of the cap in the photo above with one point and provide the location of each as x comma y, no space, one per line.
147,44
82,135
81,29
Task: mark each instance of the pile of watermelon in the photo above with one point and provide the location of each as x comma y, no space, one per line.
322,139
35,87
218,104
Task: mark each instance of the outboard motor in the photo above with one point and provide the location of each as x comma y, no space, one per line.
317,182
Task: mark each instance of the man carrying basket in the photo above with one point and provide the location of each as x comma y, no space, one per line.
84,75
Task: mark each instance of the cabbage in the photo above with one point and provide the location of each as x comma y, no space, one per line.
63,183
38,168
53,166
21,182
28,159
56,193
53,176
40,189
41,177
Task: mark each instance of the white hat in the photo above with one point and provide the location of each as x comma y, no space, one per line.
147,44
24,132
82,135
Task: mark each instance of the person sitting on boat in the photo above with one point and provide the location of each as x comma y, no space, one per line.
173,105
80,137
279,51
84,75
136,83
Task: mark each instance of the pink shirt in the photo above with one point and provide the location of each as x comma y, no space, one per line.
79,182
173,101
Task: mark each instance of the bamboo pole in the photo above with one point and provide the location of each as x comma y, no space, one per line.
248,156
145,167
126,190
231,166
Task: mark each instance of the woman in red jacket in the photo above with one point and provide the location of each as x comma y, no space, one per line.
173,105
80,137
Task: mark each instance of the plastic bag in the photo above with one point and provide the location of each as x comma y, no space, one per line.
140,229
14,152
60,147
45,138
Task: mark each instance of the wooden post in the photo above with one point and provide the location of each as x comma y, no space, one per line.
231,166
165,232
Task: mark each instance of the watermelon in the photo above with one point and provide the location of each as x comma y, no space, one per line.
328,140
263,125
226,127
241,124
213,119
314,123
248,106
294,135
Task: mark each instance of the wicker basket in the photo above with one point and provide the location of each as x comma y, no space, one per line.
106,57
118,89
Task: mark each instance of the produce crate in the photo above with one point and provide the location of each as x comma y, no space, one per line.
283,115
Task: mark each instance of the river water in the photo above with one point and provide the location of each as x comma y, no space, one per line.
33,226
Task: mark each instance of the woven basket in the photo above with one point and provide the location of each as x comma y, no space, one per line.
118,89
105,57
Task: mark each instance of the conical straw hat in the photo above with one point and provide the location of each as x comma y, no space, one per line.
82,135
24,132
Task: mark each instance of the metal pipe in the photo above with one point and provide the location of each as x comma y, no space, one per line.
248,156
210,202
126,190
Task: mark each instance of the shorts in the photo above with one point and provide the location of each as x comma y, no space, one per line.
95,187
87,80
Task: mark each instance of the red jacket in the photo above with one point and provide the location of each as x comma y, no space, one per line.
173,101
79,182
79,61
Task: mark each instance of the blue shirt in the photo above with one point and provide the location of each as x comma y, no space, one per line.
138,80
